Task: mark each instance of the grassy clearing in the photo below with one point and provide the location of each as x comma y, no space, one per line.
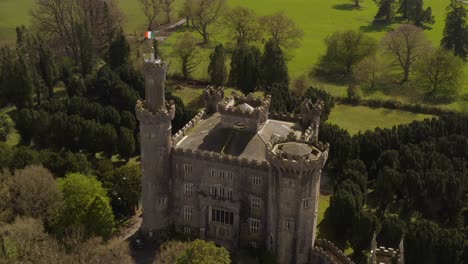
324,203
362,118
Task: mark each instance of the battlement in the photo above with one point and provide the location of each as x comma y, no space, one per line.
184,130
333,251
245,106
212,96
148,116
286,117
311,112
296,155
221,158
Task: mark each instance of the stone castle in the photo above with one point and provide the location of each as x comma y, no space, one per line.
236,174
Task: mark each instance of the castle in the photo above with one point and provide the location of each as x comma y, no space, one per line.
236,174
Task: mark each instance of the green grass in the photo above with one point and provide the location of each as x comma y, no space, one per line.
362,118
12,14
324,203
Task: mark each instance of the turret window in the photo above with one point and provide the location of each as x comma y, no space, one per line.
288,225
187,230
306,203
162,202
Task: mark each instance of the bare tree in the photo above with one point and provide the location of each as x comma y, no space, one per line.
26,237
59,20
151,9
6,211
406,44
204,13
282,29
371,71
186,50
243,23
36,194
167,7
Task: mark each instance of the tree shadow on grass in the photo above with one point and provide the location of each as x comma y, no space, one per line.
346,7
376,26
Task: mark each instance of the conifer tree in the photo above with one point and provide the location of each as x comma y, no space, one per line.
217,68
273,66
455,36
386,11
413,10
119,51
245,71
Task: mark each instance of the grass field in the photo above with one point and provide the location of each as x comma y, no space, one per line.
362,118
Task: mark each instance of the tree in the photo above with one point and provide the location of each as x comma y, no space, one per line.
124,184
281,99
6,126
388,181
126,143
282,30
439,73
108,137
342,206
57,21
46,65
151,10
273,67
412,10
356,3
365,224
22,157
81,209
392,231
36,194
167,7
217,67
6,210
386,10
455,37
119,51
245,68
345,49
406,44
197,251
243,24
127,119
186,50
421,242
204,13
371,72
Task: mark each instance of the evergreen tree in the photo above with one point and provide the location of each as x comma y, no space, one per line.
217,68
386,11
86,52
273,65
455,36
119,51
244,72
47,66
126,143
413,10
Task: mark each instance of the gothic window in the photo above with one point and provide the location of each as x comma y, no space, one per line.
188,210
188,188
255,202
256,180
214,191
254,226
253,244
222,216
221,192
187,169
306,203
229,175
187,230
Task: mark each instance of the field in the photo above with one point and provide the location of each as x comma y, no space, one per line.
362,118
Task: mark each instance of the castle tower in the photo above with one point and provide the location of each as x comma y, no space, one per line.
212,96
294,191
311,117
155,117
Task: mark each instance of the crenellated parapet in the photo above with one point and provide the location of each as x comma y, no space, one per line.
239,105
310,113
332,250
148,116
220,158
212,95
184,130
295,155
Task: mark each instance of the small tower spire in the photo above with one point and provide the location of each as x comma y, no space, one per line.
155,77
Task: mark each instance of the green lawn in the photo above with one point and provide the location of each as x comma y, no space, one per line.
362,118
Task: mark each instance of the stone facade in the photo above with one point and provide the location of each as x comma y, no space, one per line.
232,175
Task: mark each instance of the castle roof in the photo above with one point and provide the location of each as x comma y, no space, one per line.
210,136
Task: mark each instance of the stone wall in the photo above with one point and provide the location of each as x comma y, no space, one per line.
216,157
183,131
331,248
